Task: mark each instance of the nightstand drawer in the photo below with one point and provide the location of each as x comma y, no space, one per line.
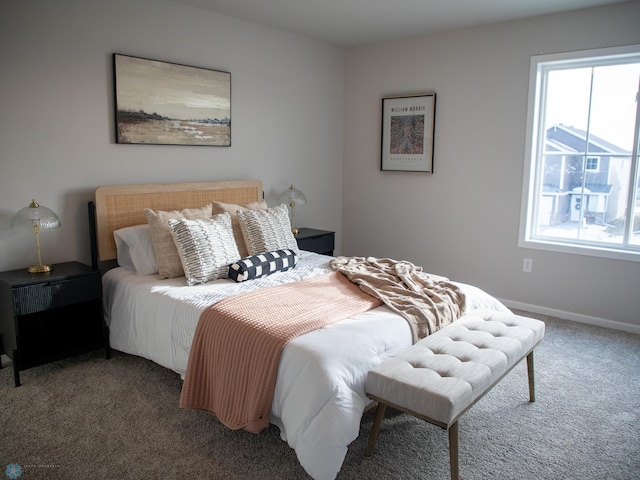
320,244
319,241
45,317
44,296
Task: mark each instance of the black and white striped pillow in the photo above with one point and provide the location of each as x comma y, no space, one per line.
206,247
267,230
263,264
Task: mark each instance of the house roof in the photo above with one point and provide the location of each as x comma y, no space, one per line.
553,145
593,188
582,135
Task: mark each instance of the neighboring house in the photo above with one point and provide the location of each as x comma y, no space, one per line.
587,187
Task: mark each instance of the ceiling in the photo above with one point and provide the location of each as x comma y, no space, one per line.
351,23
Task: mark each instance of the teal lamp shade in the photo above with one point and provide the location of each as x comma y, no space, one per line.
292,197
36,218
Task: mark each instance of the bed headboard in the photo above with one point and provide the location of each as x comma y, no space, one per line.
122,206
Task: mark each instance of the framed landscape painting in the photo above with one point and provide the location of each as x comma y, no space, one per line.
163,103
407,133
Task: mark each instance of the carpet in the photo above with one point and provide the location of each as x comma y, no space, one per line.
88,417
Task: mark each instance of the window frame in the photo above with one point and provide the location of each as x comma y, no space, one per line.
590,160
534,143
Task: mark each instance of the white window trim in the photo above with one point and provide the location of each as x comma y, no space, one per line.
557,245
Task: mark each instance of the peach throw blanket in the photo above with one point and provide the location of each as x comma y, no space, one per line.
233,362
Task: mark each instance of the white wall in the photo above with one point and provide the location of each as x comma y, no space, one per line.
56,112
463,220
288,101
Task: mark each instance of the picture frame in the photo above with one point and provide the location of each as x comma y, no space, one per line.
163,103
408,127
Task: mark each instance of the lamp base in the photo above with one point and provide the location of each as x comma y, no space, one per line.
39,268
294,231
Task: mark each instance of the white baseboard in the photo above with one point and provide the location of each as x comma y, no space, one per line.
576,317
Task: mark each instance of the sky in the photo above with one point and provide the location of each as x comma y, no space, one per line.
613,105
170,90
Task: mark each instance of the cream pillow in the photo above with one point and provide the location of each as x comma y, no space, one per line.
267,230
206,247
232,209
167,257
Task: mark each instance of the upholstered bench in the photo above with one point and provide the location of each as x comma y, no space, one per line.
440,377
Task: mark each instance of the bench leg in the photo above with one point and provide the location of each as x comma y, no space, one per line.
453,451
532,387
373,436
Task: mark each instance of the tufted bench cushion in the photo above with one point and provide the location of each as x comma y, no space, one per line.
443,375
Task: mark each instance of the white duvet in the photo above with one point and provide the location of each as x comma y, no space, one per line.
319,396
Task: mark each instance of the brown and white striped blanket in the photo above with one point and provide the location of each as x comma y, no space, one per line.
233,362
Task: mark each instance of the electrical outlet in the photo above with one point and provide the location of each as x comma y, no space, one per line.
527,265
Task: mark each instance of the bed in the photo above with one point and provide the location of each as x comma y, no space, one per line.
318,398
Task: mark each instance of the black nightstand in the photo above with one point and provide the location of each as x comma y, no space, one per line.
319,241
49,316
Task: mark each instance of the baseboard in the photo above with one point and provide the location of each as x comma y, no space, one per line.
6,361
576,317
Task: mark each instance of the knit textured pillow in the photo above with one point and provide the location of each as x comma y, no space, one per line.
206,247
267,230
232,209
261,265
167,258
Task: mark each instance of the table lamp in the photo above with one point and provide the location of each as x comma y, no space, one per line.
292,197
36,218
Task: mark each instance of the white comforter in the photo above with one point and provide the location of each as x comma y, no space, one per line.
319,397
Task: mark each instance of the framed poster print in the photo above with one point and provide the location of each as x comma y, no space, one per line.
163,103
408,124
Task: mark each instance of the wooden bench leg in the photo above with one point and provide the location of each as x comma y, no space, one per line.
453,451
532,387
373,436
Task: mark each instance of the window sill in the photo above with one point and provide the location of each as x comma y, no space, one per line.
589,250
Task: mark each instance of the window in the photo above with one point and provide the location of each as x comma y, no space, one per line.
592,164
582,175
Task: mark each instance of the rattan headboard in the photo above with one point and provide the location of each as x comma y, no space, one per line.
122,206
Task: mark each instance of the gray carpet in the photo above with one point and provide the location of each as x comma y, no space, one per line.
91,418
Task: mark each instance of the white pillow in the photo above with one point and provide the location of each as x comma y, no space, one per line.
267,230
206,247
135,249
